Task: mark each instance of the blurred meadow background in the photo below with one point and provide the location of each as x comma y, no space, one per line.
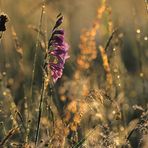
101,100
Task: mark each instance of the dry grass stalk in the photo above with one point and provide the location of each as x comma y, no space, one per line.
106,66
10,133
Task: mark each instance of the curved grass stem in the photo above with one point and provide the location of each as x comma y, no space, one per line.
34,65
36,49
40,112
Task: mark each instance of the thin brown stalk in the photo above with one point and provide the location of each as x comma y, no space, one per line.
109,40
106,66
40,112
34,63
43,89
36,48
10,133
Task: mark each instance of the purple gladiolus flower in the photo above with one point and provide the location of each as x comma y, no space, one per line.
57,51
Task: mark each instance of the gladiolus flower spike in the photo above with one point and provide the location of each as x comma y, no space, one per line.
57,51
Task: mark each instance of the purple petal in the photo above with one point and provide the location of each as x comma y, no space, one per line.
58,39
58,32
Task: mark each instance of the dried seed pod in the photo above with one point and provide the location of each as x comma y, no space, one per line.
3,20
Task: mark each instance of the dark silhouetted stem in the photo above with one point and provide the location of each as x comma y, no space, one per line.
109,40
40,112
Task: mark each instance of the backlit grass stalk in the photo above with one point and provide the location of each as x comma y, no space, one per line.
36,48
43,89
34,62
10,133
20,51
88,51
106,66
